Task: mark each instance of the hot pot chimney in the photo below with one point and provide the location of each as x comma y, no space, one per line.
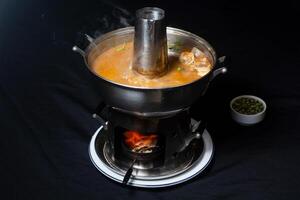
150,42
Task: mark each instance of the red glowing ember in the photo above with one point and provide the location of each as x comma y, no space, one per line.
136,141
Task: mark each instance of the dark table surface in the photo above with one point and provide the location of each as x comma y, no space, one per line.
47,97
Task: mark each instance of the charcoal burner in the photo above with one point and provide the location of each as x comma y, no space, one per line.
173,148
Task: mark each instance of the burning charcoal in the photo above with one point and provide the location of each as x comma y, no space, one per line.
138,142
144,149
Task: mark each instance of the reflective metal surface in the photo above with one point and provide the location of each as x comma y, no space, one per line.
142,178
152,114
145,101
150,42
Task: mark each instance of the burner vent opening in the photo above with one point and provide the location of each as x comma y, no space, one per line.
140,143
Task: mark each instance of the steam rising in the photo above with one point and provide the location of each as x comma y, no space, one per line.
103,18
106,18
118,18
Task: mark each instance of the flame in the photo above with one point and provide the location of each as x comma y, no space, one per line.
136,140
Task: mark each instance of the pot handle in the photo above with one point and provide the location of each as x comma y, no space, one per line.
97,115
89,38
79,50
221,69
222,62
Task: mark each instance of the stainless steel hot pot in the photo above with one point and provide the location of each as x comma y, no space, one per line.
151,101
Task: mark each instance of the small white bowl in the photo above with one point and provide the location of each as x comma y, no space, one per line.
244,119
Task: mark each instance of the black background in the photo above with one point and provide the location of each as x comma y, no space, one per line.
47,97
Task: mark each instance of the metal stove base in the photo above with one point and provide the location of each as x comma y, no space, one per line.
193,170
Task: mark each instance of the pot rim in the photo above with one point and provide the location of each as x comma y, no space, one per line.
169,30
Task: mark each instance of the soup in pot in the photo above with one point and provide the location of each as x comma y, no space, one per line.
115,65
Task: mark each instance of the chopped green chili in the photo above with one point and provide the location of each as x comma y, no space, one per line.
121,48
179,68
247,106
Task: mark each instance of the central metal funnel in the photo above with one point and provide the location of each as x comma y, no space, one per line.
150,42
